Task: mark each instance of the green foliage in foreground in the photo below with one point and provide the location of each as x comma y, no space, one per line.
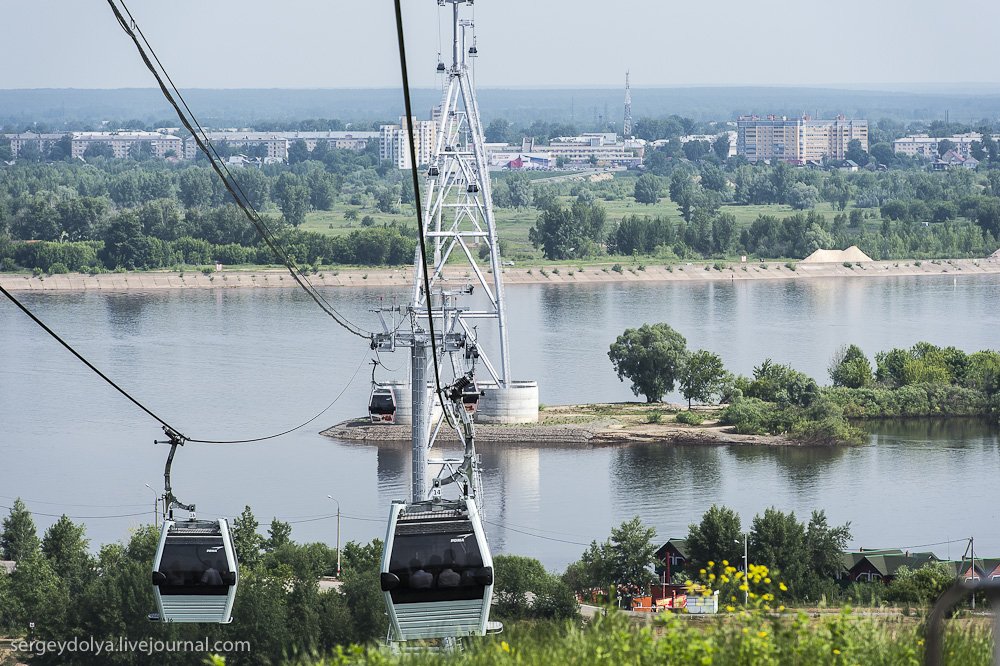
751,638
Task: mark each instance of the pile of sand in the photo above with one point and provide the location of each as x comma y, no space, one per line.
851,254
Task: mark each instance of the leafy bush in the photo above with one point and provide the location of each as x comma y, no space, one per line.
58,268
690,418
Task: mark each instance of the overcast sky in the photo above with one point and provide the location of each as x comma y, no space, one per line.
522,43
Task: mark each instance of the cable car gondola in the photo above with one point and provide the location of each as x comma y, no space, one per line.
472,188
195,572
470,397
437,571
382,405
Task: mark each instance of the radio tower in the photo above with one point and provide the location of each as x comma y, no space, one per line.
627,125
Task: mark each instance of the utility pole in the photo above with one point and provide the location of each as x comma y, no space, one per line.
338,532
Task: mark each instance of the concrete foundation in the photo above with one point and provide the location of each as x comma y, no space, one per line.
516,404
404,404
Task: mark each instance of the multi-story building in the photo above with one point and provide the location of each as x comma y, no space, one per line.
275,144
122,143
926,146
43,142
356,141
602,148
797,140
394,143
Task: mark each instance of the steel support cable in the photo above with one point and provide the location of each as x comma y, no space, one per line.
60,515
167,427
231,184
290,430
80,357
416,199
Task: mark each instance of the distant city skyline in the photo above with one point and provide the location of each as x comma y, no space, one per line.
556,43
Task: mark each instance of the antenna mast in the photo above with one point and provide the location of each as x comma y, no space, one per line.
627,124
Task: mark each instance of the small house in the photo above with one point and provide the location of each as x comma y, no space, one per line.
671,557
883,564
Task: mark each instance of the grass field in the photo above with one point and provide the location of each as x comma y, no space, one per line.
513,224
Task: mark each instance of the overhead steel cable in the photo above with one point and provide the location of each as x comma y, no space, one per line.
290,430
135,401
189,121
55,336
416,197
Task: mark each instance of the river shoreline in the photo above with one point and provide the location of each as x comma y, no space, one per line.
601,424
402,276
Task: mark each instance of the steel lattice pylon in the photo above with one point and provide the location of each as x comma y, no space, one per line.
458,205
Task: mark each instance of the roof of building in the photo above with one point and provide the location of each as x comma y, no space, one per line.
852,254
679,545
888,565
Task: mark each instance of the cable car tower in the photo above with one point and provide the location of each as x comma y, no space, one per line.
458,203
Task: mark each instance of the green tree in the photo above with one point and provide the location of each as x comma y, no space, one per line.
65,545
702,376
517,579
647,189
856,153
944,145
624,560
19,539
292,196
278,534
825,546
851,368
651,357
194,186
778,541
99,149
717,537
246,539
802,196
557,234
721,146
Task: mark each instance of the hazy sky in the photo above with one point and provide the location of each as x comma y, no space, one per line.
294,43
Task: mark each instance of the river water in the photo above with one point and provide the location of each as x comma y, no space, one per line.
231,364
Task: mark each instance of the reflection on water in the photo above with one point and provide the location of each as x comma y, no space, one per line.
227,364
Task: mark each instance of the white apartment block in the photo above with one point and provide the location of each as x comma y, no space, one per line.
394,143
926,146
161,145
797,140
41,141
602,148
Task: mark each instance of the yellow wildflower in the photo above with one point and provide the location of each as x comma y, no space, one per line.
767,580
730,609
782,587
505,646
836,651
711,563
725,563
762,634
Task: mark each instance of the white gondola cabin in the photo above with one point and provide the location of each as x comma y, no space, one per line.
437,571
382,405
195,572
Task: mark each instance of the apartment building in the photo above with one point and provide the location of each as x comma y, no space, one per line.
922,145
394,143
122,143
797,140
275,144
43,142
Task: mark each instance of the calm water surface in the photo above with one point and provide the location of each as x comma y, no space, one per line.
233,364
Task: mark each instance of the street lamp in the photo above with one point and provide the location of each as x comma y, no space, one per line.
156,505
338,532
746,569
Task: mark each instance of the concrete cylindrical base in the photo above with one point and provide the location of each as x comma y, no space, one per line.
516,404
404,404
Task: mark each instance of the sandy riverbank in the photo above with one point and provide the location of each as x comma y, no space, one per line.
402,277
573,425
